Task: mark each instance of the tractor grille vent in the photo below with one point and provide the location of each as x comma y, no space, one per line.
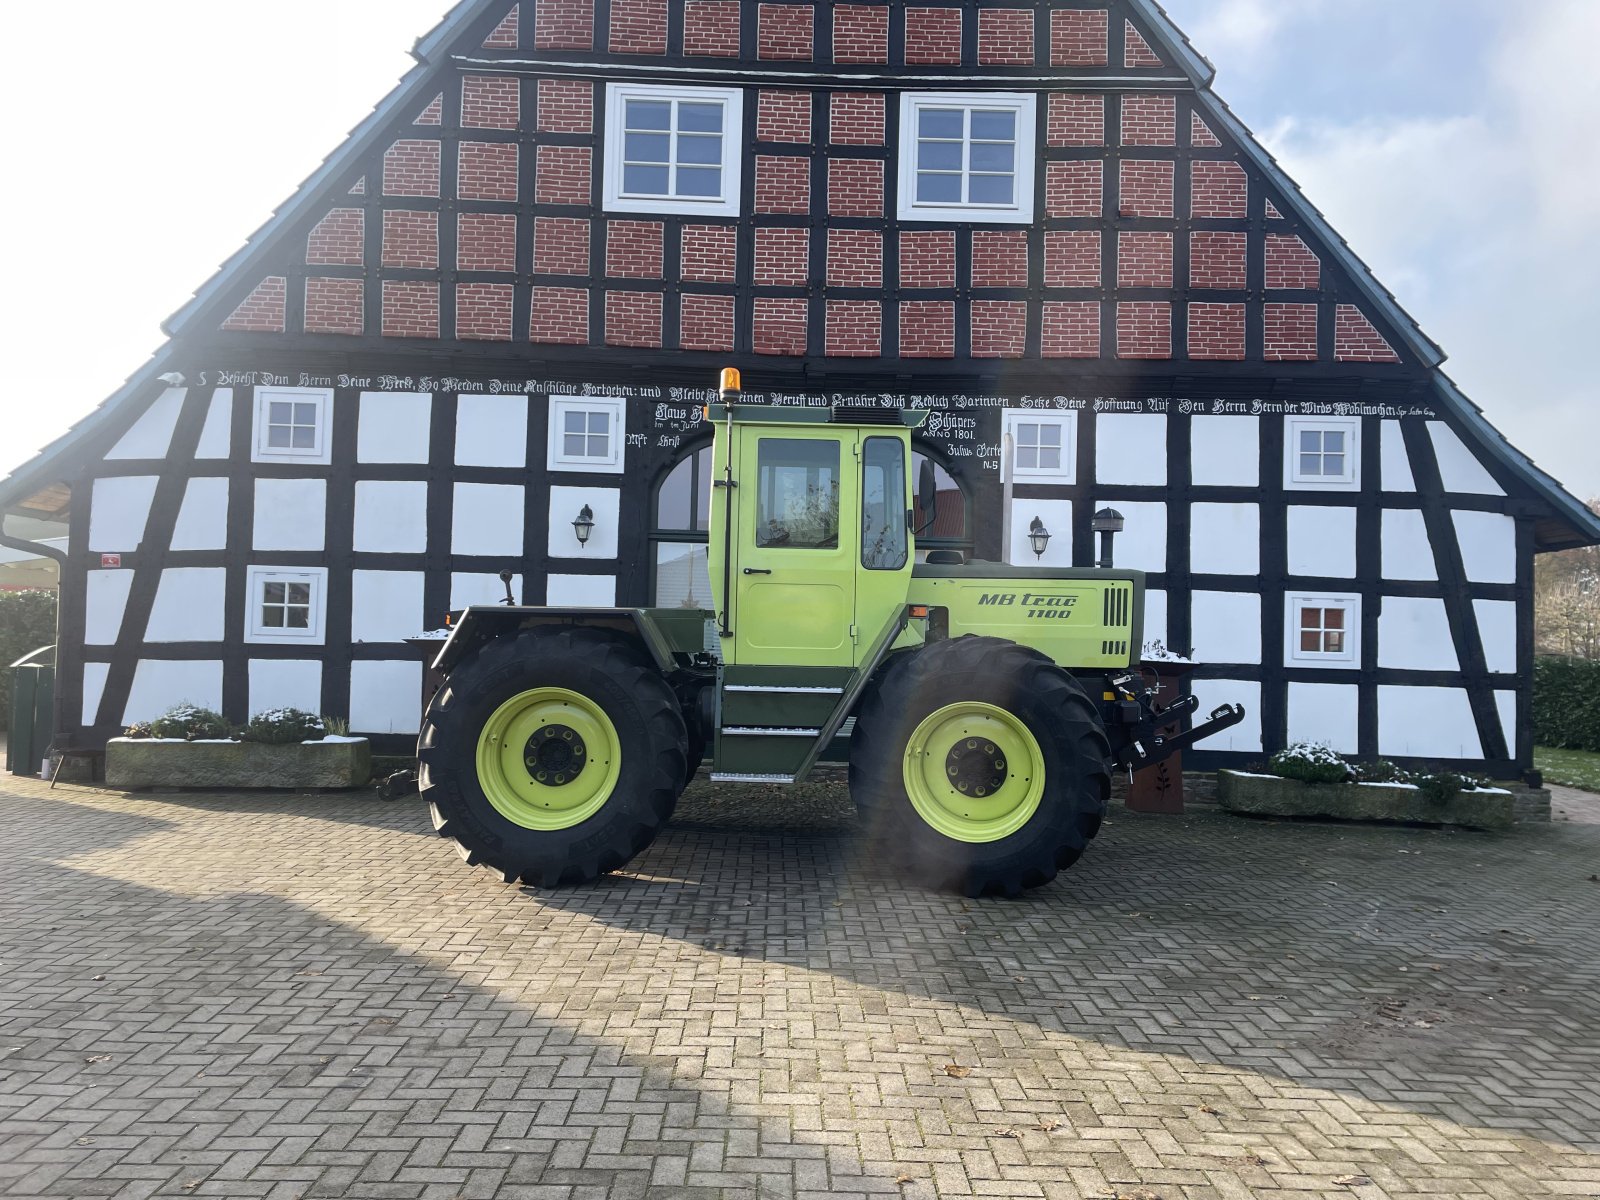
1114,649
1118,601
860,414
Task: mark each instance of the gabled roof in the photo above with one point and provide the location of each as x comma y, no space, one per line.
1573,523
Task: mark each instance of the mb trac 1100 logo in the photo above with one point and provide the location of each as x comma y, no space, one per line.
1040,608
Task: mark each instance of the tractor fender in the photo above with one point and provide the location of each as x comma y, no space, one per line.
482,624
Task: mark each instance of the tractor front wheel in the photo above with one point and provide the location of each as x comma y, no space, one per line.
552,757
981,765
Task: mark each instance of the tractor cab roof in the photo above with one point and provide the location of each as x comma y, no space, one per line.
741,413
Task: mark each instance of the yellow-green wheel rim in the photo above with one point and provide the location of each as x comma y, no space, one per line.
506,779
972,818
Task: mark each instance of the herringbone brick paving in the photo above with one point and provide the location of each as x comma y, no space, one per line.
311,996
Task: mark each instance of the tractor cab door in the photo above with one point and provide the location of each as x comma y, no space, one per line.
793,570
820,543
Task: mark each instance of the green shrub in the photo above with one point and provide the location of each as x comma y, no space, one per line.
27,622
1382,771
1441,785
1566,703
186,722
1309,763
284,727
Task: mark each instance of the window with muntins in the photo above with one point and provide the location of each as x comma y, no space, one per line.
1042,445
671,149
286,604
967,156
586,434
292,424
1322,453
1323,630
680,533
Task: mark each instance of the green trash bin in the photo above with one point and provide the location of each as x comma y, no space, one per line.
33,702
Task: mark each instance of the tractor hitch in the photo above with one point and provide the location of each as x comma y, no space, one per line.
1144,751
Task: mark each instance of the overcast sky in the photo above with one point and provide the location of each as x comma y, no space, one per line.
1448,140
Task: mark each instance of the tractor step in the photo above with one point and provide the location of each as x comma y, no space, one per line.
784,691
768,731
736,777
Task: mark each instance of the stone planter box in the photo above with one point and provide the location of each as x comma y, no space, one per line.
337,763
1270,796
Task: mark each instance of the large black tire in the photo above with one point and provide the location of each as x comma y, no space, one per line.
614,677
1045,699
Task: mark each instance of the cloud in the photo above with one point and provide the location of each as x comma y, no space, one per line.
1234,28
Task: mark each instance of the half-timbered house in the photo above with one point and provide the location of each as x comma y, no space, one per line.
497,307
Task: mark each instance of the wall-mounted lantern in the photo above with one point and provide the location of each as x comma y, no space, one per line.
1108,522
584,525
1038,538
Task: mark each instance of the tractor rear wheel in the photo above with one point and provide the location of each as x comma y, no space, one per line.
552,757
980,765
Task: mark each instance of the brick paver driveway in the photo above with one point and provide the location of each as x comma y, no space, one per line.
259,996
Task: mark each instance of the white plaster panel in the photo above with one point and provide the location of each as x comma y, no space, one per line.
1155,618
1226,627
1427,722
582,591
492,431
1506,704
203,519
385,697
1497,627
159,684
469,588
119,509
566,503
385,606
1407,552
216,438
1322,542
391,517
1225,451
285,683
1057,518
1131,448
94,688
1488,546
1244,737
291,514
1414,635
1395,461
1225,539
1328,713
151,435
105,602
1142,545
1459,468
189,606
488,520
394,427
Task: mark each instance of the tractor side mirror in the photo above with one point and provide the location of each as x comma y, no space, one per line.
927,496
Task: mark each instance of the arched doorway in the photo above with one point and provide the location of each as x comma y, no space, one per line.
951,525
680,518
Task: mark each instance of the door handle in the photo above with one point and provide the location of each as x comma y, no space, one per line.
756,571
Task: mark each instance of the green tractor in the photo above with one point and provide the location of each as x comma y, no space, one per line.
990,702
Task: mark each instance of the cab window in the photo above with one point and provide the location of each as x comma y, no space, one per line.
797,501
883,505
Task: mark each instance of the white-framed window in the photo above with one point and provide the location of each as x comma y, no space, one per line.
673,149
967,156
587,433
1322,454
293,424
1040,445
286,604
1322,630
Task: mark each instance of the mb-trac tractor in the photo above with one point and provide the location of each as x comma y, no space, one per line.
991,702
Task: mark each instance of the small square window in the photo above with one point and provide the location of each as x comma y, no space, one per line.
967,156
1323,630
587,434
286,604
1041,445
1322,453
672,149
292,425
